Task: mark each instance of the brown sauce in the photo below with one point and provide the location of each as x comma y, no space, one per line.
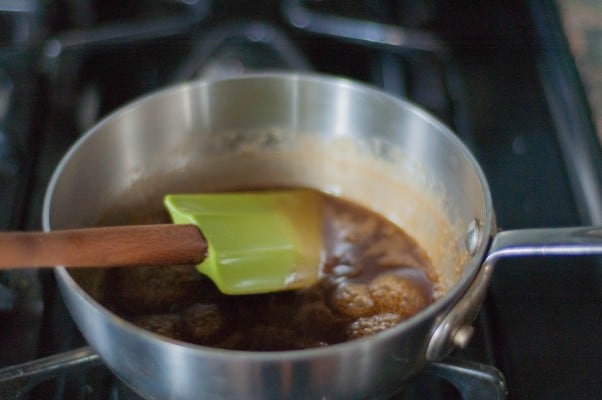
375,276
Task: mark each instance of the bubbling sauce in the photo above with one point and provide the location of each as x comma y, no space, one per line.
374,277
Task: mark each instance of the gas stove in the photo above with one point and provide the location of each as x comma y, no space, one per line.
499,73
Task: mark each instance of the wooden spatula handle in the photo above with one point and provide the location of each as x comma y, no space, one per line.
104,247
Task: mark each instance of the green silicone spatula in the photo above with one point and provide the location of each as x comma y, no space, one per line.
257,241
246,242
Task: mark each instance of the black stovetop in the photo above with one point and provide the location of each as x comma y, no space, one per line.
499,73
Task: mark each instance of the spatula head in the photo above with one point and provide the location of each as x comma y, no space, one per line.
258,242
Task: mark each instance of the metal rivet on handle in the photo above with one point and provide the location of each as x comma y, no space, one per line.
463,335
473,236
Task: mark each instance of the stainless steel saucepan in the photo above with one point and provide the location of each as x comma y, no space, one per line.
286,129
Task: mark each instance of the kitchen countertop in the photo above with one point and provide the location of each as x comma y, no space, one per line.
582,20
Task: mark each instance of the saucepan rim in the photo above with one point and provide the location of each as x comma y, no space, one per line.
436,309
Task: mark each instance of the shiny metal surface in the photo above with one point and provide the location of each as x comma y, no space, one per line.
474,381
573,241
461,316
179,127
546,242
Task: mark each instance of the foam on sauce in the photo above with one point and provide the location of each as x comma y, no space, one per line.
374,277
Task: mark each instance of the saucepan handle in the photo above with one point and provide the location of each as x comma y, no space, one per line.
473,380
455,329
